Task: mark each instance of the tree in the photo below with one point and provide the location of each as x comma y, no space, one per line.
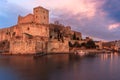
83,45
90,44
74,36
78,38
76,44
70,44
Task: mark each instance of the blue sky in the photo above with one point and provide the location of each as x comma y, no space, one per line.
99,19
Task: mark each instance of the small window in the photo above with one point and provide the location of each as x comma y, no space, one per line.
44,17
43,11
36,11
36,16
28,28
7,33
14,33
3,43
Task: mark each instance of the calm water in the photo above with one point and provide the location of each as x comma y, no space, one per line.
60,67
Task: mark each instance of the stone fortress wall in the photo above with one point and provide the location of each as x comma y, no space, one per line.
33,34
27,19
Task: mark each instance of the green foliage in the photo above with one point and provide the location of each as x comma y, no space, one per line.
74,36
90,44
76,44
83,45
70,44
77,38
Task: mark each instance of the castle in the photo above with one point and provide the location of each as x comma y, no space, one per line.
33,34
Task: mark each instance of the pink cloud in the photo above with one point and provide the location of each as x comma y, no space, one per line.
114,26
86,7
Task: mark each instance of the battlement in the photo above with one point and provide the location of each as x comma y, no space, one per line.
40,16
40,8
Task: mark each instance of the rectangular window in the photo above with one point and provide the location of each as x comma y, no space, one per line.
44,17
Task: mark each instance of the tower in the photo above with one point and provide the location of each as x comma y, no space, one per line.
41,15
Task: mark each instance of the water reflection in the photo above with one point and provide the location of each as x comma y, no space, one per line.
60,67
105,56
7,74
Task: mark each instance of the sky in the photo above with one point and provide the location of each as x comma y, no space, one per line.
99,19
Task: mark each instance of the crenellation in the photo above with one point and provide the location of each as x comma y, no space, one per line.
27,19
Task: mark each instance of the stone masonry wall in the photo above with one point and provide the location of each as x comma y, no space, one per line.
18,31
22,47
8,33
35,29
41,15
33,46
27,19
41,46
58,47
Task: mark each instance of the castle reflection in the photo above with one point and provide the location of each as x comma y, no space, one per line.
60,67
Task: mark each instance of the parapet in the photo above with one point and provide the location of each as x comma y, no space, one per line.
40,8
40,16
27,19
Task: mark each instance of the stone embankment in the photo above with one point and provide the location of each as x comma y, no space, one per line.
92,51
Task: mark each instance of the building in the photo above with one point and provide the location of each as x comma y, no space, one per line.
117,45
36,24
31,35
99,44
40,16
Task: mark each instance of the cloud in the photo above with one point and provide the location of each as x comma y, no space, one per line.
94,27
86,7
112,7
98,25
114,26
9,13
